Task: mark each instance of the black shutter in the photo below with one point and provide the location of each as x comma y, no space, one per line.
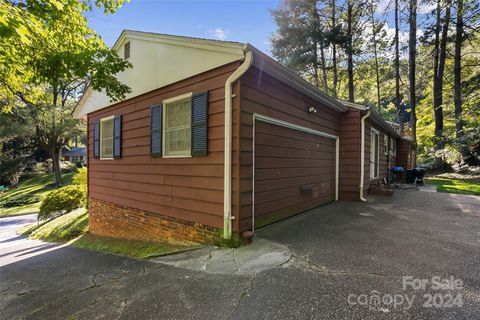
96,139
200,124
117,137
156,131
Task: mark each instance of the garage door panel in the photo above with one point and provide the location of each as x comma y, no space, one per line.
283,152
315,191
294,171
267,185
268,162
290,202
280,131
288,142
282,213
279,173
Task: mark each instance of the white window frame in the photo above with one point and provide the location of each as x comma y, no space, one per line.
164,111
372,163
392,147
385,144
101,140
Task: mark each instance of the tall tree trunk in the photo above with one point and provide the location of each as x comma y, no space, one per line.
351,95
324,66
319,44
397,71
412,52
374,33
57,172
458,75
315,67
439,65
334,51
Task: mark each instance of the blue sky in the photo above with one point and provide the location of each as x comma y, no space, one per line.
242,21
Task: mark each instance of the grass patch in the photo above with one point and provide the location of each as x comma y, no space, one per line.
37,186
455,186
63,228
73,227
137,249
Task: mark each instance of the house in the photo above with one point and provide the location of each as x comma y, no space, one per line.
216,138
365,132
77,154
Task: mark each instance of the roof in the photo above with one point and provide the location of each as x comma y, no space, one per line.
374,116
200,54
78,151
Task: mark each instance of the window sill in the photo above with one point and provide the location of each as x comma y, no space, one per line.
107,158
183,156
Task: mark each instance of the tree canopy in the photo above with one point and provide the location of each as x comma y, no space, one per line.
47,44
48,56
438,56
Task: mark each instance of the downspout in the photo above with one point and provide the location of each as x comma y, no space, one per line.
227,180
362,154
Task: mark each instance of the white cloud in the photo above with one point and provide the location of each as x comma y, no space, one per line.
219,33
383,6
386,6
426,8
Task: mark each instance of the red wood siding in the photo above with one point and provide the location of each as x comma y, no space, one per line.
260,93
349,156
184,188
386,161
404,154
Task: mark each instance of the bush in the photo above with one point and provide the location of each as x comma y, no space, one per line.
20,200
80,180
61,201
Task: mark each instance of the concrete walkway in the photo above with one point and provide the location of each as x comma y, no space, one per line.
261,255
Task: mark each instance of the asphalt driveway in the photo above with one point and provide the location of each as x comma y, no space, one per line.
343,256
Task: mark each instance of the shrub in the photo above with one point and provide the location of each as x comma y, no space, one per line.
61,201
20,200
80,180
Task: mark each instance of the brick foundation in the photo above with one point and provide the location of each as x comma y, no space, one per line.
111,220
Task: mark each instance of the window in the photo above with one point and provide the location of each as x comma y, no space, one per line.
392,148
106,138
177,124
385,145
374,154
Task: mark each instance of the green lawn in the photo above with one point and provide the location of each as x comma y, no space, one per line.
36,186
64,228
455,186
73,228
137,249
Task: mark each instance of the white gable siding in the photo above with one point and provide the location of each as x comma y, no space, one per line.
159,61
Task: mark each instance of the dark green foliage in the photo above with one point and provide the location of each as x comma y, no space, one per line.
61,201
17,144
19,200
